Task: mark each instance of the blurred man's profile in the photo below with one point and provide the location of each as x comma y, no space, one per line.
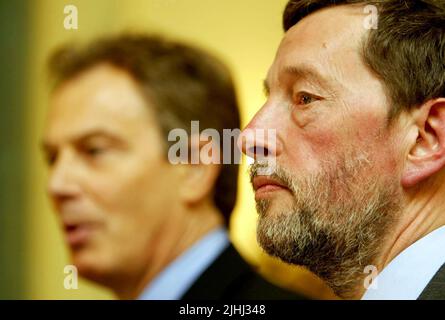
356,94
134,222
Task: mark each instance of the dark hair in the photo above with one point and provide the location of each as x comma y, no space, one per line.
184,84
407,50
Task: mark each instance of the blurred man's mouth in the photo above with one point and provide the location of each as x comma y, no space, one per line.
78,234
264,186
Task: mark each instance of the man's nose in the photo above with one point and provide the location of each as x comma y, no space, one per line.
260,138
62,184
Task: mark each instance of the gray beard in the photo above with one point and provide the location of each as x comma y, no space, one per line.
337,222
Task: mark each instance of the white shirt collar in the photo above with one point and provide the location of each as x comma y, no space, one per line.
407,275
174,281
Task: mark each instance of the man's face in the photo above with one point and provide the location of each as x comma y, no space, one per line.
335,189
108,172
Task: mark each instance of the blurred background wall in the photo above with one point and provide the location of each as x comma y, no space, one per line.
13,26
244,33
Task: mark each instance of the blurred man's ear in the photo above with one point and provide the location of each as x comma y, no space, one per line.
427,152
198,179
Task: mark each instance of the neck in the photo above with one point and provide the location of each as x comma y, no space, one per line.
176,236
423,213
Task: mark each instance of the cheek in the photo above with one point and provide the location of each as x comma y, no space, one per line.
372,138
388,159
131,189
130,200
308,150
342,137
132,205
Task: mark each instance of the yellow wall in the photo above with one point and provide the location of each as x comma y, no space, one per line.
245,33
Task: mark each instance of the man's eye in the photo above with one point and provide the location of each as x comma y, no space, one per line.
303,98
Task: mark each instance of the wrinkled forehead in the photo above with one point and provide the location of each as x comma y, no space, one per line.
333,35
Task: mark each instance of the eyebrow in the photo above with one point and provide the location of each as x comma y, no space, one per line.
303,72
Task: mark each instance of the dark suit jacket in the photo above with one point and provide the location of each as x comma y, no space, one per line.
435,289
229,277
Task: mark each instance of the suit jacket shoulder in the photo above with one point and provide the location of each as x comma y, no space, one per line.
435,290
229,277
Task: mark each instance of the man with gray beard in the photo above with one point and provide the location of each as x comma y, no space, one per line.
356,185
309,236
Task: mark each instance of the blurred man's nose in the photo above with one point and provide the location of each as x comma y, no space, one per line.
259,139
62,184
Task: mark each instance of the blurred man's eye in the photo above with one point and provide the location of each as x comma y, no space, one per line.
97,146
93,151
50,158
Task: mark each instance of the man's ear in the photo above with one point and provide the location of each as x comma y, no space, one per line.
427,152
198,179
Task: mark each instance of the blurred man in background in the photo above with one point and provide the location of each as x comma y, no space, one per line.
359,183
134,222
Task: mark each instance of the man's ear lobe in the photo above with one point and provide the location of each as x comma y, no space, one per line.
427,153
